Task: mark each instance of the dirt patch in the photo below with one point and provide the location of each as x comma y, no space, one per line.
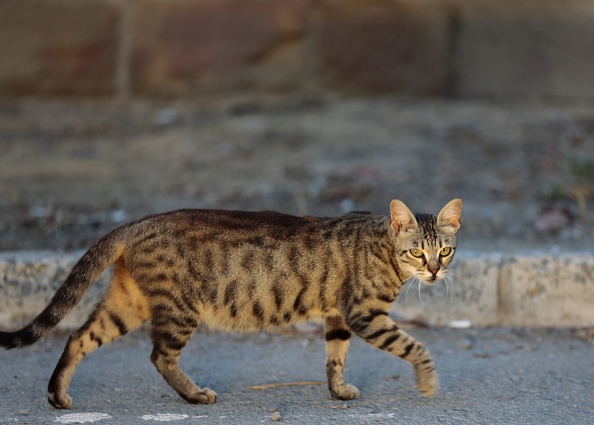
71,171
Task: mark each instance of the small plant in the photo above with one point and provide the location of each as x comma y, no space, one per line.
582,172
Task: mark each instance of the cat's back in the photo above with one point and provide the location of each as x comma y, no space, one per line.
271,223
214,223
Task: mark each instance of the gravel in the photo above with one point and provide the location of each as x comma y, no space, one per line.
73,170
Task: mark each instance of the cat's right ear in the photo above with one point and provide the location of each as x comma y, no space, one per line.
401,218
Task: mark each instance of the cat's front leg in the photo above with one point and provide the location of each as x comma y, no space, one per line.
337,345
375,327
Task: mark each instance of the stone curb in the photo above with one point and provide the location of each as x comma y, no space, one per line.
531,289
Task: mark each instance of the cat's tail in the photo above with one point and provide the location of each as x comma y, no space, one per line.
86,272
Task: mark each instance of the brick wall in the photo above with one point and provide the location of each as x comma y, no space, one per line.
458,48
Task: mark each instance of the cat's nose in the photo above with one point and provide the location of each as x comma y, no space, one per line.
434,271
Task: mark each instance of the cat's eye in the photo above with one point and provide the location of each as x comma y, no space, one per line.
415,252
445,251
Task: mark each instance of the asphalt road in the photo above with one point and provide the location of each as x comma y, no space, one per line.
502,376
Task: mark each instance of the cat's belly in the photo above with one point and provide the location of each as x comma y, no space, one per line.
248,321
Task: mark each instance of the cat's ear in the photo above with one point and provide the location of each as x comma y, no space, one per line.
449,216
401,218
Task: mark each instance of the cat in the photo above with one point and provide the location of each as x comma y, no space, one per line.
252,271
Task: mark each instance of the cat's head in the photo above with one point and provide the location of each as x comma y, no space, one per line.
425,243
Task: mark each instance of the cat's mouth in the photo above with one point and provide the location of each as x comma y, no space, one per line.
431,279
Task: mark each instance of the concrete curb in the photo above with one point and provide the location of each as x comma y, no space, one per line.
533,289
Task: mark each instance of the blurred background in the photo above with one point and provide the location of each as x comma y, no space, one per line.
114,109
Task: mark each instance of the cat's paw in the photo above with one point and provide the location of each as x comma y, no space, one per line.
345,392
428,383
203,396
64,402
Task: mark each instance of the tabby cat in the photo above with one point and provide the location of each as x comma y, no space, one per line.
252,271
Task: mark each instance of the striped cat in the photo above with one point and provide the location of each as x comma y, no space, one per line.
252,271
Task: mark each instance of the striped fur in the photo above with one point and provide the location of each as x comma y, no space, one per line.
252,271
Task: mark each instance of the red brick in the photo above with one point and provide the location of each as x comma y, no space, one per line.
57,47
528,48
182,45
380,46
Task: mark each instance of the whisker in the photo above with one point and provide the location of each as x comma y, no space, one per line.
459,277
453,292
447,289
401,282
408,289
420,297
464,285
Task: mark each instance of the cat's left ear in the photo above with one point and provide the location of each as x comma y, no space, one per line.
449,216
401,218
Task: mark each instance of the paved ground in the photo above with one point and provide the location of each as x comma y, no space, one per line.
489,376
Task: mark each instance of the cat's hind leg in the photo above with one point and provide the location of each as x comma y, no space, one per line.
337,345
171,331
123,309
